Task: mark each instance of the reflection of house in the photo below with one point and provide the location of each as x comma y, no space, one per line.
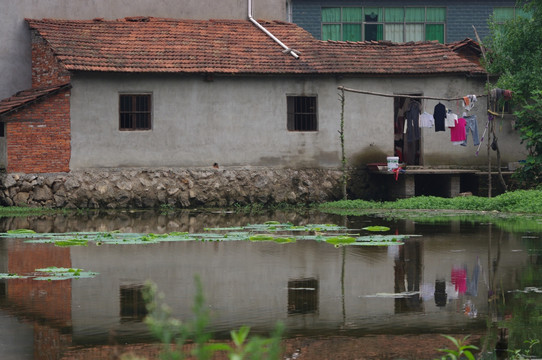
43,307
255,283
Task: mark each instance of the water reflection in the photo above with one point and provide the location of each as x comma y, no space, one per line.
449,280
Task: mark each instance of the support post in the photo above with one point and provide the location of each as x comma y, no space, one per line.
343,155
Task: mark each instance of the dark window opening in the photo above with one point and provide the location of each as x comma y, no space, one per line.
2,129
302,113
3,291
134,112
302,296
132,305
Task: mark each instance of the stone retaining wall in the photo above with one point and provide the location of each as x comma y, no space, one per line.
183,188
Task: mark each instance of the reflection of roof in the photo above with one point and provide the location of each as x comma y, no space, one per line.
26,97
232,47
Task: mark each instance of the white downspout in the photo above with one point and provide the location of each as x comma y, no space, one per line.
286,48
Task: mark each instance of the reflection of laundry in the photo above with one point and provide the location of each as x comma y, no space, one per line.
426,291
469,309
472,282
393,251
440,293
459,279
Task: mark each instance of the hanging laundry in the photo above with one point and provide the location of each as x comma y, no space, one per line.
450,119
457,133
496,95
439,114
413,121
472,125
468,102
426,120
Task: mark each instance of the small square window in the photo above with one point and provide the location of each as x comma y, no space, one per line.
134,112
302,113
132,305
302,296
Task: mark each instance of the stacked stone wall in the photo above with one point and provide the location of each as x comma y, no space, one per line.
182,188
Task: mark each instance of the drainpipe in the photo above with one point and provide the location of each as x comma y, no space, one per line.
286,48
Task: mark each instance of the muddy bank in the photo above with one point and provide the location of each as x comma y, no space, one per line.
183,188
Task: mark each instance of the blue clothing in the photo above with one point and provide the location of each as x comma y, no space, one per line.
471,125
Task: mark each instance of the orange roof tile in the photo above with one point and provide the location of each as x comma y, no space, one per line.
26,97
232,47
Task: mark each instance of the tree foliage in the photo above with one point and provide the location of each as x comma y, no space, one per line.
515,55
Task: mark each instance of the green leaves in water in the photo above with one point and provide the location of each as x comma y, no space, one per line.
273,231
21,231
376,228
56,273
53,273
72,242
341,240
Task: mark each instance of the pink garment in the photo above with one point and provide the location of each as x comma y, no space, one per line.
458,132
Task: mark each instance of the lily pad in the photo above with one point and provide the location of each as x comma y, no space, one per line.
376,228
56,273
12,276
21,231
341,240
71,242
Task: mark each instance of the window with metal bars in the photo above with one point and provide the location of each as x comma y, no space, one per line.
135,112
132,305
302,113
302,296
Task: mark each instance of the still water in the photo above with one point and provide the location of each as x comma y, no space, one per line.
458,277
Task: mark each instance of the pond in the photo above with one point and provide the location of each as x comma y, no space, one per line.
459,276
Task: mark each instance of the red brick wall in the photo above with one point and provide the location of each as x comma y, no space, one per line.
46,70
40,141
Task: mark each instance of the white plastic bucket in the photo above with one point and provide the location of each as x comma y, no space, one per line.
393,162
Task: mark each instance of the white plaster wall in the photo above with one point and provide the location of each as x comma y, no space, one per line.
231,121
15,61
241,121
376,133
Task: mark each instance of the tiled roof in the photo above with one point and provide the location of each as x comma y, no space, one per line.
467,49
232,47
26,97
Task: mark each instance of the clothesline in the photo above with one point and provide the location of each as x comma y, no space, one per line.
402,95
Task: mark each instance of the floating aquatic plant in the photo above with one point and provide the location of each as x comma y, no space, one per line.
61,273
268,231
72,242
341,240
21,231
376,228
12,276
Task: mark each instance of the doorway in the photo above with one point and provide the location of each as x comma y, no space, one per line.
407,137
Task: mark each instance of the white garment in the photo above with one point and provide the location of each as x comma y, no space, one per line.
450,120
468,102
427,120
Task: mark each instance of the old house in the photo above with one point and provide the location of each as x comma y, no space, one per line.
148,93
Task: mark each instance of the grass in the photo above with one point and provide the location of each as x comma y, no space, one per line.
11,211
520,201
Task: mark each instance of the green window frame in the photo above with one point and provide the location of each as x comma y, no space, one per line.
397,24
502,14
